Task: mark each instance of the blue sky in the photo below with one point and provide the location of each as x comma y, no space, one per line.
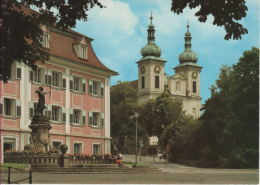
120,31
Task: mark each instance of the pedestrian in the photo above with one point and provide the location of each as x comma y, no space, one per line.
120,164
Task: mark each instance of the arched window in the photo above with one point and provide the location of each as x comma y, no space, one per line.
157,82
194,87
178,86
194,113
143,82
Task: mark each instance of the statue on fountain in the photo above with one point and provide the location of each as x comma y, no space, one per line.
40,125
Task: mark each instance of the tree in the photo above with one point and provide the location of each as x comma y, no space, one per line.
123,101
21,35
158,113
230,128
225,12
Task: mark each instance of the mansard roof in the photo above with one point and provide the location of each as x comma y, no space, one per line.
61,45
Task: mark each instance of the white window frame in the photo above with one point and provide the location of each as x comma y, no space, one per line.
99,148
54,117
57,141
96,88
83,52
80,143
57,77
96,119
76,83
5,136
76,118
12,107
45,39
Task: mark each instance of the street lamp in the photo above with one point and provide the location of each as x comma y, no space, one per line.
136,116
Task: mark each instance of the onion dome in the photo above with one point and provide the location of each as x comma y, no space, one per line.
151,49
188,55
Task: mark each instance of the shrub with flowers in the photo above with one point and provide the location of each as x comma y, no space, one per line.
55,151
96,156
107,156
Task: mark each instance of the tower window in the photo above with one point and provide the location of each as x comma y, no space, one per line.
143,82
157,80
178,86
194,87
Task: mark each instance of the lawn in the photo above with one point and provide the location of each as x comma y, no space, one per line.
4,167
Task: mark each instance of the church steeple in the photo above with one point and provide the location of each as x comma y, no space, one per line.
151,49
188,55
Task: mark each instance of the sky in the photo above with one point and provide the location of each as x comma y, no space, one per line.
120,32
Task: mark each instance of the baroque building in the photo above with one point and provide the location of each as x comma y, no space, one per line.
78,106
184,84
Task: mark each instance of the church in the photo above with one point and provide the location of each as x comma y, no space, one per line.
184,84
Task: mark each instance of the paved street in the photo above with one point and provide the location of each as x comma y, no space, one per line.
175,174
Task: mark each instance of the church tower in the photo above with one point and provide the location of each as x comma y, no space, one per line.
188,72
150,69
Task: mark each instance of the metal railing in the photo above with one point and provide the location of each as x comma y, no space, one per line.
16,182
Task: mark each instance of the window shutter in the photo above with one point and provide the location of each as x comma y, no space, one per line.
49,108
83,85
31,109
90,120
63,80
18,70
63,114
18,108
90,86
102,89
83,117
71,116
2,106
71,82
49,76
31,76
102,119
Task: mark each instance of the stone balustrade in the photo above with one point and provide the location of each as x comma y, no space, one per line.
59,160
33,159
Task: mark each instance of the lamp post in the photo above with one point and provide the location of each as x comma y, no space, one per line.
136,116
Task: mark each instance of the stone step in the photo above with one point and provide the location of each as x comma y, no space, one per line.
97,170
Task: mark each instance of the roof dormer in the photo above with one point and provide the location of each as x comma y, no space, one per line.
80,46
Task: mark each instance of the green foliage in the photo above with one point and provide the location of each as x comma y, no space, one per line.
21,34
158,113
225,13
123,101
230,128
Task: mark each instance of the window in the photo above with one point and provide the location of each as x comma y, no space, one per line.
76,82
77,148
7,108
37,75
143,82
178,86
76,116
55,79
95,88
157,82
83,52
95,119
45,41
9,143
96,149
194,89
194,112
56,145
55,113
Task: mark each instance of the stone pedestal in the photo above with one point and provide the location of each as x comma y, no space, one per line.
39,138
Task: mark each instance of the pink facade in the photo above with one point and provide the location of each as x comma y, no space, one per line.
78,106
